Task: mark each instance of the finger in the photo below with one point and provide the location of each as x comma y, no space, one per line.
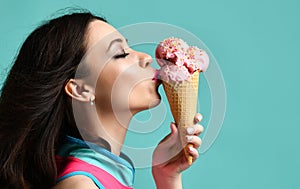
198,118
174,129
193,152
171,138
195,140
169,135
196,129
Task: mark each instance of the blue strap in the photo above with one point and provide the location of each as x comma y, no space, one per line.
82,173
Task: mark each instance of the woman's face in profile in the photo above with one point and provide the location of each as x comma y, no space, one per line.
123,78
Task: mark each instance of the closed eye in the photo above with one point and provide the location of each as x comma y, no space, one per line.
123,55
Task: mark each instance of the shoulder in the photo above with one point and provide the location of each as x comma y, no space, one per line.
76,182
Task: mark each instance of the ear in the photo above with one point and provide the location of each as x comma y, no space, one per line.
78,90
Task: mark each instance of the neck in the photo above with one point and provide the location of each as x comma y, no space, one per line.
114,130
111,126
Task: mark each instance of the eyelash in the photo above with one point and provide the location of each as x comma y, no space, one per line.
121,55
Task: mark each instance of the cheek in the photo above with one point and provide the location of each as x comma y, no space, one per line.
105,83
114,86
125,87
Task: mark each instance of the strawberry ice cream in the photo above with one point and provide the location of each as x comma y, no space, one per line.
178,61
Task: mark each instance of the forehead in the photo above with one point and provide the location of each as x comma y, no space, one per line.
100,33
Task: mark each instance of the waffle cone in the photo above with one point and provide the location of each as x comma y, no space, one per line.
183,99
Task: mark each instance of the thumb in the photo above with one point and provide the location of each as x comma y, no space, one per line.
174,130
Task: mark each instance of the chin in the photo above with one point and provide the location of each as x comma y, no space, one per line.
154,103
141,100
153,100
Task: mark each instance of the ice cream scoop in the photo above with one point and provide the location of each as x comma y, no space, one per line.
170,49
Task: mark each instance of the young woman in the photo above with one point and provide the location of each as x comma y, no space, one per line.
66,105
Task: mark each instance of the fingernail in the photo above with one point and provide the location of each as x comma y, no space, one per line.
190,130
191,149
189,138
199,117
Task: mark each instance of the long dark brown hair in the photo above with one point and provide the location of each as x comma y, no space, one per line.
34,111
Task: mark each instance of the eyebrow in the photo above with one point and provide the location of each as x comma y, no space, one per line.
119,40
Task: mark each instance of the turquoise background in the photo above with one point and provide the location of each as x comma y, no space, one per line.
256,44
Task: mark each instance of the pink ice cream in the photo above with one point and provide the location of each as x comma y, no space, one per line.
178,61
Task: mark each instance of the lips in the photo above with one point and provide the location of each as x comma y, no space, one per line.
156,75
156,78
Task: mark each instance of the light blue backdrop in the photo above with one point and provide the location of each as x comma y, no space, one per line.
256,43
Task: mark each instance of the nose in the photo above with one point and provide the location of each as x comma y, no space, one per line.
144,59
